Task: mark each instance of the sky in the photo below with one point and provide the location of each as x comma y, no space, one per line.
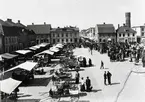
80,13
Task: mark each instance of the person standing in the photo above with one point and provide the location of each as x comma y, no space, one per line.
82,88
84,62
90,62
77,76
88,85
109,77
105,78
102,65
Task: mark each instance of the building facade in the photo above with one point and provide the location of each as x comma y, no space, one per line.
65,35
14,37
126,34
140,31
105,32
42,32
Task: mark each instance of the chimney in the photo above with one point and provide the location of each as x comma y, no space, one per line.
9,20
128,19
19,21
44,23
118,25
32,23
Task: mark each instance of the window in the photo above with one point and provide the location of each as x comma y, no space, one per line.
57,40
53,35
70,40
128,34
66,35
104,40
119,35
62,40
100,40
133,34
142,33
123,35
70,35
62,35
76,40
142,29
57,35
53,40
66,40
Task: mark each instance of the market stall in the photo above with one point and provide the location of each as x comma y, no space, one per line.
9,85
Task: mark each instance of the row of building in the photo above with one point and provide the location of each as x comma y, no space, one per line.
104,32
16,36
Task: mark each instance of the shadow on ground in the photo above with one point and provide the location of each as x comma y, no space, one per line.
76,70
20,96
96,90
115,83
38,82
20,100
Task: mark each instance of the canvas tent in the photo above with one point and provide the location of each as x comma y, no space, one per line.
9,85
23,51
45,52
8,56
54,49
26,66
59,46
48,52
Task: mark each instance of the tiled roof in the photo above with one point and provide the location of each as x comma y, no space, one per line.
3,23
11,31
20,25
66,29
10,23
40,29
124,29
105,28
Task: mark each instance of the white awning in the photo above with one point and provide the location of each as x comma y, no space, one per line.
54,49
1,59
48,52
36,46
26,66
23,51
58,66
43,44
33,48
9,85
59,46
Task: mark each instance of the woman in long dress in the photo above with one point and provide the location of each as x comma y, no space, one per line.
82,84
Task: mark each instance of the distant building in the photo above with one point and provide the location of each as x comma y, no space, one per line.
14,37
140,32
65,35
42,32
105,32
126,34
83,32
91,32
